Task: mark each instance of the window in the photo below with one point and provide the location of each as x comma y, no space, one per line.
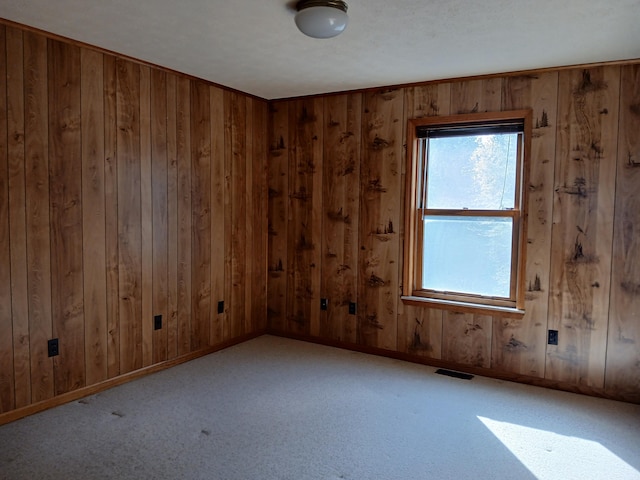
465,235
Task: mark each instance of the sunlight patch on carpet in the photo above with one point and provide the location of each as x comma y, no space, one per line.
544,452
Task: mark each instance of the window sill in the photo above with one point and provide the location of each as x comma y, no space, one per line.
463,307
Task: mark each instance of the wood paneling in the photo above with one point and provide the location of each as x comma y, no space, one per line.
37,218
139,187
579,276
256,162
229,318
200,214
519,343
172,218
586,155
467,339
7,395
93,217
146,217
217,332
623,351
278,178
340,215
65,163
111,216
239,213
305,223
250,219
184,214
129,216
159,177
17,216
423,327
117,203
473,96
380,217
428,100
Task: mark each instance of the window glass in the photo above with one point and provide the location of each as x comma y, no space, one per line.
472,172
469,255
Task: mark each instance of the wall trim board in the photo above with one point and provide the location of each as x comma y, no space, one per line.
34,408
432,362
78,43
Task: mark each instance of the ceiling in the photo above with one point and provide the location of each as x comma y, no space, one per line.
254,46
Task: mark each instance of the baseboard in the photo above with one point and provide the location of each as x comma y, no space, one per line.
22,412
484,372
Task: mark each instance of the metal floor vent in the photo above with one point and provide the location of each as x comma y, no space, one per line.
451,373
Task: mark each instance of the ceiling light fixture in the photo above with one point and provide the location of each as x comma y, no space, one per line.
321,18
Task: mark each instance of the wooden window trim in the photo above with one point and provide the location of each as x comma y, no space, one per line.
413,214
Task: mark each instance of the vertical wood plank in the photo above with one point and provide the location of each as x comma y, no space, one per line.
184,214
216,95
201,214
622,377
239,214
93,221
251,217
305,221
583,224
17,216
37,218
467,339
431,100
129,215
278,213
519,344
340,205
381,176
159,193
65,161
259,119
7,384
474,96
172,218
146,211
228,319
111,215
423,331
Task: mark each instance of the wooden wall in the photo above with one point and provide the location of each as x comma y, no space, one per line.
336,182
125,192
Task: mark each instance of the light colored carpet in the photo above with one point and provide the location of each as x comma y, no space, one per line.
274,408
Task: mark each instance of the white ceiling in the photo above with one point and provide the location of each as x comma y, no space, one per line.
254,46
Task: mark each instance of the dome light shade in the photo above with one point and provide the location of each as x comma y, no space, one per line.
321,18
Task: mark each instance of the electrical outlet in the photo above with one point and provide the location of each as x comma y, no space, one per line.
221,306
157,322
552,337
53,347
352,308
323,304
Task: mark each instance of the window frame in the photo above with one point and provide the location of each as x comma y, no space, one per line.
414,215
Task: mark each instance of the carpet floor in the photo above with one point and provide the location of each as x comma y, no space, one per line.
275,408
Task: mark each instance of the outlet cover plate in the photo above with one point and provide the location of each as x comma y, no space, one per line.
53,348
323,304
